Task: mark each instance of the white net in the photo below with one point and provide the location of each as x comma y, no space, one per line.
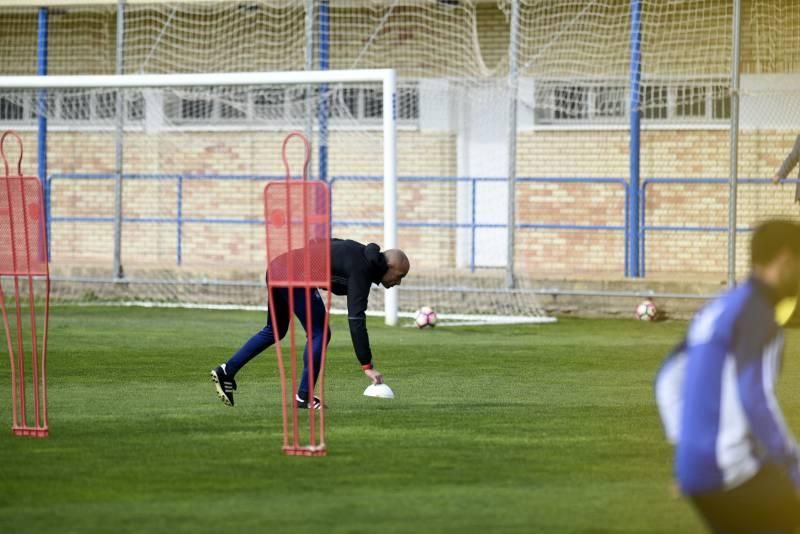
573,99
685,102
195,158
686,82
769,113
194,164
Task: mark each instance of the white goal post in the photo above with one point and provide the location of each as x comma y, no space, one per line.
387,77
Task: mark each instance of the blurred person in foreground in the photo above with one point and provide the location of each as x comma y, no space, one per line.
735,458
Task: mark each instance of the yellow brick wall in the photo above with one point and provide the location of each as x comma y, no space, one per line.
570,252
541,252
664,154
253,153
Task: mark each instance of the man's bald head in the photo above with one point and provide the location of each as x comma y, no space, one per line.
398,264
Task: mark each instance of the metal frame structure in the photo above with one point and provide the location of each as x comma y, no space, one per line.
24,260
179,220
318,20
387,77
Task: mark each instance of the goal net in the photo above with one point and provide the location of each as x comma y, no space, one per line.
155,193
194,158
463,67
769,114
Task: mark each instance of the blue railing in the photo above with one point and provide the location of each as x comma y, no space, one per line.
644,227
473,225
179,220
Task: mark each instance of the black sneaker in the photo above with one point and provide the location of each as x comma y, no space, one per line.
225,385
303,403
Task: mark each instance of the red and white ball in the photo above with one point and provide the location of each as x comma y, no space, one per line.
646,311
425,317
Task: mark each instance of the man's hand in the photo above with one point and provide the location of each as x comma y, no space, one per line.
374,375
776,179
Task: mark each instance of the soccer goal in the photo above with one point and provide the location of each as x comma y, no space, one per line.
152,180
153,185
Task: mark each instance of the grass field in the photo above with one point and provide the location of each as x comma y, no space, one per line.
494,429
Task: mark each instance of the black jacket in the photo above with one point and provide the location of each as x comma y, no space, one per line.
354,268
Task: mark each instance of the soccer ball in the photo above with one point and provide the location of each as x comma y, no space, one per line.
646,310
425,317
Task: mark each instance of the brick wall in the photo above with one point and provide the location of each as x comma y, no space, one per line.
664,154
540,252
162,158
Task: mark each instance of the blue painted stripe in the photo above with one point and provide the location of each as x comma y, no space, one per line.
695,228
221,177
322,113
525,179
632,264
179,208
473,223
41,112
683,180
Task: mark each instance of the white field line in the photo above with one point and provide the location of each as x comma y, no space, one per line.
448,319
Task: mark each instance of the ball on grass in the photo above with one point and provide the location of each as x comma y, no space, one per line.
646,311
425,317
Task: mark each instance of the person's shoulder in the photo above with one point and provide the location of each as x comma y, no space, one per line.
747,310
346,244
720,315
351,256
743,300
345,240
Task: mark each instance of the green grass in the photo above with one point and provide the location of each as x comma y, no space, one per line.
494,429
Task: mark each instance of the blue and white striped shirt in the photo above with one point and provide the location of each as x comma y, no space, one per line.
715,393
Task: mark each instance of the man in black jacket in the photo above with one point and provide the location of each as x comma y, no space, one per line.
354,268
